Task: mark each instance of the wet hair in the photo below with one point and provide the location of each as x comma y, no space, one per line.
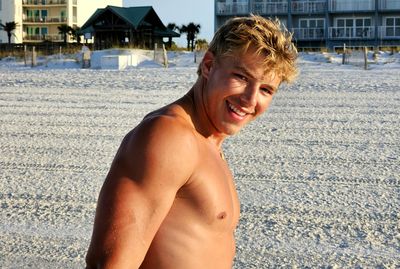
267,37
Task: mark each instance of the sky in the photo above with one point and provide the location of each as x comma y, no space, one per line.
182,12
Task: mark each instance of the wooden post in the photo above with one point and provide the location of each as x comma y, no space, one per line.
365,58
34,62
25,55
165,57
344,54
60,53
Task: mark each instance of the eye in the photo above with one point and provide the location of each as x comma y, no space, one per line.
267,90
240,77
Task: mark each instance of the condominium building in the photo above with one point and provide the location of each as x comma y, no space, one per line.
38,20
325,23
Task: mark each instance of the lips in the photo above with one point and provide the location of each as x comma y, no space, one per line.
236,110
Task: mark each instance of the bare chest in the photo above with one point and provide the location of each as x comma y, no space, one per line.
210,194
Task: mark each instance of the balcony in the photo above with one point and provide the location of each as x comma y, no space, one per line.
307,7
389,32
266,8
45,20
43,2
352,32
389,4
309,33
232,8
356,5
36,38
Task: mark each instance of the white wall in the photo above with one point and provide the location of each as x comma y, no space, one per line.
11,12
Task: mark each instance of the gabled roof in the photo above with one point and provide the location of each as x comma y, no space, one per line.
134,16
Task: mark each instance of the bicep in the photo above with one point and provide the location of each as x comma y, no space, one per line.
136,196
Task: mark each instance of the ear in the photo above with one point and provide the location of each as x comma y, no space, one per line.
207,63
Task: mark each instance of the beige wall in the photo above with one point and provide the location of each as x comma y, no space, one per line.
11,10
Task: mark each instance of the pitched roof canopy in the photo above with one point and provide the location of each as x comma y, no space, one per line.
135,17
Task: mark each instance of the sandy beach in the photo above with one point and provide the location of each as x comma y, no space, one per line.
318,175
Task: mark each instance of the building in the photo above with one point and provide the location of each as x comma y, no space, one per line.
126,26
38,20
325,23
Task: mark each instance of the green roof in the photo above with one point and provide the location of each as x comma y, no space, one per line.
134,16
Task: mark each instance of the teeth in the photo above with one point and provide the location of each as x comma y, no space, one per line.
237,111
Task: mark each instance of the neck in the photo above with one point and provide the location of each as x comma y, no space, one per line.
195,107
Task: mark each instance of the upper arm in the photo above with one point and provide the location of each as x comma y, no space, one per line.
153,162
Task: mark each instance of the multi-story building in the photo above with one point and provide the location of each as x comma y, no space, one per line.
38,20
325,23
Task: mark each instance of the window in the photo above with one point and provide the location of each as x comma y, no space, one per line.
312,28
63,15
392,26
43,14
353,27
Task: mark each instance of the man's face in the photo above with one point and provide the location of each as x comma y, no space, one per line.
237,90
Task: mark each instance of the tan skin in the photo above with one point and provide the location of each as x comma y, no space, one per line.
169,200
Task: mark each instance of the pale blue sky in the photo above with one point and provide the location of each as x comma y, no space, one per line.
182,12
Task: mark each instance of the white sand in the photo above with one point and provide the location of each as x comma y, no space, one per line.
318,175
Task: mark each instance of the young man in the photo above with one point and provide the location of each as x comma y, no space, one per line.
169,200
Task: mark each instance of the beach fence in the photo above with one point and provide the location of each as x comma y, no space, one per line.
355,56
30,56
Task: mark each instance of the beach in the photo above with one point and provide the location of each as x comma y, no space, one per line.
318,175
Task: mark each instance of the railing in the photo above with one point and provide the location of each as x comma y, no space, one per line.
309,33
270,7
392,32
44,2
43,38
352,32
308,6
45,19
389,4
355,5
232,9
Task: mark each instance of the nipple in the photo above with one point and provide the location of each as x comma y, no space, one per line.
221,215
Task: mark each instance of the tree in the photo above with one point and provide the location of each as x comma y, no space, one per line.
75,34
202,44
65,30
172,27
191,31
9,27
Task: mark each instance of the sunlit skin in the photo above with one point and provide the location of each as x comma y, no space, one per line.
169,200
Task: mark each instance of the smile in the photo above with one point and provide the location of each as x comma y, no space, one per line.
236,110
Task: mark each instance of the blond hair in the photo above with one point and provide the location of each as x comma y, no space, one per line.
267,37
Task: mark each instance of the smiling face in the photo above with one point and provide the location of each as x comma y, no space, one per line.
237,90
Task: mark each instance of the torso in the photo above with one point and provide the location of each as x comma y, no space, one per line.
198,231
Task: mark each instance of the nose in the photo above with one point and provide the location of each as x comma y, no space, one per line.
249,97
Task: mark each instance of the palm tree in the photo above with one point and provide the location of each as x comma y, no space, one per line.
75,34
172,27
191,31
64,30
9,27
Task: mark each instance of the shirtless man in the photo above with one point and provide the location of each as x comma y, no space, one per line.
169,200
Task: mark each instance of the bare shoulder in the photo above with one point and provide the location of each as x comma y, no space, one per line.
164,143
153,162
